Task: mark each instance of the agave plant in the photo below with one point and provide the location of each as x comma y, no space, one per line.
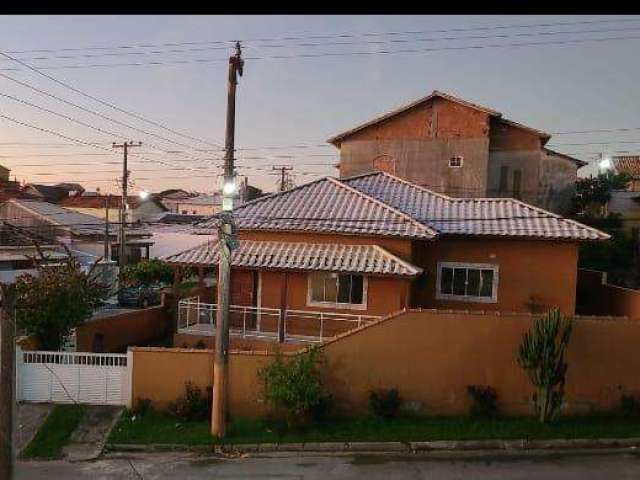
542,355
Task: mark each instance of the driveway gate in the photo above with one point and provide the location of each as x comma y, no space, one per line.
66,377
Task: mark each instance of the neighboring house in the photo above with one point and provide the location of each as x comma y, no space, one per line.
461,149
18,254
52,193
139,210
375,244
83,234
185,203
627,202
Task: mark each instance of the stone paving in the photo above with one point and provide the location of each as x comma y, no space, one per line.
31,416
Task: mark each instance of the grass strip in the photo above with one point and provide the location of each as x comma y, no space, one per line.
159,428
54,433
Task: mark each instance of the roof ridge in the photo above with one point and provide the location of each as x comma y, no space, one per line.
385,205
401,180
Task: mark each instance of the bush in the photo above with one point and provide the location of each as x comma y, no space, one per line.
384,403
293,388
194,405
322,411
630,406
485,401
200,345
142,407
146,272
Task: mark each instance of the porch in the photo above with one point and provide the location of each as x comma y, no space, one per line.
270,324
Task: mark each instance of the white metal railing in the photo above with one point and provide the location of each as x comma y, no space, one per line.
74,358
199,318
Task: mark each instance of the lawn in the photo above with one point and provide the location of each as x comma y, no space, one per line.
159,428
55,432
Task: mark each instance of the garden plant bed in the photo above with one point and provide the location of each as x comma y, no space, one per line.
160,429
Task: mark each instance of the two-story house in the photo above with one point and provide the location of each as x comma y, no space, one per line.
458,148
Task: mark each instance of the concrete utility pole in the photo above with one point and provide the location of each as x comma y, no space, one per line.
7,382
124,207
285,183
107,204
225,244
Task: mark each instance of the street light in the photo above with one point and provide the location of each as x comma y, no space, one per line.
143,195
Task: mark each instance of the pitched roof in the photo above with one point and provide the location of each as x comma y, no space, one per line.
370,259
65,218
502,217
325,205
628,164
98,201
577,161
493,113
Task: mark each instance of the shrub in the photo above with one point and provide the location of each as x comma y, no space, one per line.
630,406
146,272
384,403
194,405
485,401
541,354
200,345
293,387
322,410
142,407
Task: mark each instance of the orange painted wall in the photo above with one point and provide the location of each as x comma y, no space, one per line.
544,271
432,356
126,329
597,297
159,374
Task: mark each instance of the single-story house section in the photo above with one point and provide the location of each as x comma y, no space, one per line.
83,234
374,244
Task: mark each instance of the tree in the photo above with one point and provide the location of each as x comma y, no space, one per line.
57,299
146,272
593,193
542,355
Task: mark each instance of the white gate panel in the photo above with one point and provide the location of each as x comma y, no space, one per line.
65,377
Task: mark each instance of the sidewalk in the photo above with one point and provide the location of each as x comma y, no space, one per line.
88,439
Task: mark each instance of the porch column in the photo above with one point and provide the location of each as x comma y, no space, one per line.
147,251
283,307
201,277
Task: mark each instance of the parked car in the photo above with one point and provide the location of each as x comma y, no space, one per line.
141,296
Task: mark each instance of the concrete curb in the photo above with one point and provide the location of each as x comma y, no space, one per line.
390,447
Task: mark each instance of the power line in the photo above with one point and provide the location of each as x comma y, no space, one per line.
331,44
102,102
326,36
339,54
95,113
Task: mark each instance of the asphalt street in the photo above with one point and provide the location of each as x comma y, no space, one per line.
484,465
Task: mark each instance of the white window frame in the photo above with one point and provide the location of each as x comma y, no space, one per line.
465,298
461,161
349,306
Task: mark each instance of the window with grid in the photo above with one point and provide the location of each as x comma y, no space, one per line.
456,161
334,288
467,282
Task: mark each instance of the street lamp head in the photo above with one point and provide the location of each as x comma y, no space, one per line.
144,195
605,163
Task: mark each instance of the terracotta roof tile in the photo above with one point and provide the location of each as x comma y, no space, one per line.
628,164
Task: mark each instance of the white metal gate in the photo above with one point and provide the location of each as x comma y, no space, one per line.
66,377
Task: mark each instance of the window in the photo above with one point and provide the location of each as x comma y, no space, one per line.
469,282
333,288
517,183
456,162
504,178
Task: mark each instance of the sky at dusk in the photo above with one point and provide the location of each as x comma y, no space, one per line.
301,84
